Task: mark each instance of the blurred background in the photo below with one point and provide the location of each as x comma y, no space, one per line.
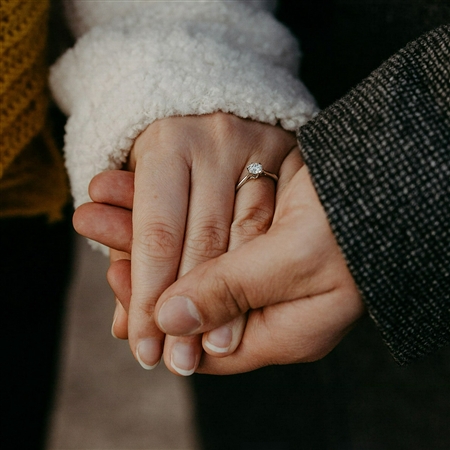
105,400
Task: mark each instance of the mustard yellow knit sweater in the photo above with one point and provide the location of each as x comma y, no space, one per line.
32,175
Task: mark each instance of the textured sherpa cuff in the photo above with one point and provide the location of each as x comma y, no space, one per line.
122,76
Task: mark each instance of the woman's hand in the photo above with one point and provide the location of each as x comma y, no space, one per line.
185,211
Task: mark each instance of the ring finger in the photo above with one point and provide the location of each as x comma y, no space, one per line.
253,216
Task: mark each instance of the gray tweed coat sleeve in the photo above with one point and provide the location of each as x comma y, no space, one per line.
380,161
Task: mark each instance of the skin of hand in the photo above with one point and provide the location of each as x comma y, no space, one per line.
293,283
185,211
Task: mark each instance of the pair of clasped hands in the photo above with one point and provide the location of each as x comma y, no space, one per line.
213,280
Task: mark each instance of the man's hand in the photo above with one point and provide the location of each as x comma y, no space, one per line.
293,282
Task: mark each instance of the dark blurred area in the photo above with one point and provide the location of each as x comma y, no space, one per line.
342,41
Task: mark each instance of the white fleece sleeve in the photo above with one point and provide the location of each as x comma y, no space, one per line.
136,62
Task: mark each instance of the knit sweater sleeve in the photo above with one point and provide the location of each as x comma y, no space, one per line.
380,161
136,62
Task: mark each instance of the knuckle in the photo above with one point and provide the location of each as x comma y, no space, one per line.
208,240
252,222
226,129
146,309
233,298
157,240
224,124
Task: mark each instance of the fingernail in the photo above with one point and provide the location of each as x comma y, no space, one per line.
148,353
112,331
183,359
112,326
179,316
219,340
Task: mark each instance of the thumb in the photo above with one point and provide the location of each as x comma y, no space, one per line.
224,288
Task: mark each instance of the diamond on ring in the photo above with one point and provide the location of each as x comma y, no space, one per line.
255,170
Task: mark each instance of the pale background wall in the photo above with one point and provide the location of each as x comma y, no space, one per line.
105,399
